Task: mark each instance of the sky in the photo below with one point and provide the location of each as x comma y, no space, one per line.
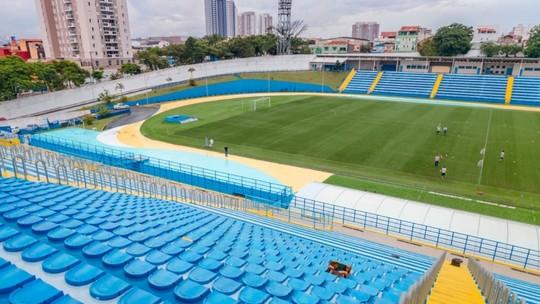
325,18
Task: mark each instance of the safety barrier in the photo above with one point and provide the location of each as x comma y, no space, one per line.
494,291
242,86
310,213
263,191
421,289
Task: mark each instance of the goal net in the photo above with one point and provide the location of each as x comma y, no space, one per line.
257,104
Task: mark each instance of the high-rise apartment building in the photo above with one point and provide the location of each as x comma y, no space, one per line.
265,24
216,17
92,32
247,24
365,30
231,14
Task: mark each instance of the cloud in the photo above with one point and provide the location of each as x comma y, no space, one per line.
324,17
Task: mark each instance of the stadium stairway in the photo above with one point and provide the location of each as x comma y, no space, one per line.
361,82
455,285
478,88
526,91
436,86
112,246
347,80
509,89
406,84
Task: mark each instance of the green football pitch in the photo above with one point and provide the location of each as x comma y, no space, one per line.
382,146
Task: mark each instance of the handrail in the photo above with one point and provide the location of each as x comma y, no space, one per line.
494,291
421,289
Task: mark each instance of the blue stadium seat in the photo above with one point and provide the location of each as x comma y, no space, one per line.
361,82
59,262
138,296
35,292
406,84
190,291
138,268
82,274
12,278
163,279
108,287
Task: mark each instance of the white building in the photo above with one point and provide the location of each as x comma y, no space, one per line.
216,17
522,31
94,33
247,24
365,30
483,34
231,13
265,24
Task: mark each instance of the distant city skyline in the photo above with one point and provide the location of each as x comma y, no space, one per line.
328,18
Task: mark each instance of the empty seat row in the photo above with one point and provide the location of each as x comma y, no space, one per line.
361,82
406,84
523,290
526,91
142,250
473,88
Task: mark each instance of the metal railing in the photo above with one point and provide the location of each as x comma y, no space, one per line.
419,292
30,161
264,191
493,290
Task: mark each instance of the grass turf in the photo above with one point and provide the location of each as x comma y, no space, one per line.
385,147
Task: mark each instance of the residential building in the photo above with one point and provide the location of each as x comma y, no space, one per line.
365,30
408,37
340,45
385,43
521,32
483,34
216,17
94,33
27,49
247,24
265,24
231,14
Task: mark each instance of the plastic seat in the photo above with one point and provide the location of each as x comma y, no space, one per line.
77,241
322,292
138,268
360,295
250,295
163,279
43,227
116,258
370,290
7,232
102,236
29,220
190,291
217,255
179,266
253,280
314,279
218,298
254,268
137,250
191,257
87,229
96,249
108,287
235,262
59,262
82,274
274,266
278,290
119,242
157,257
12,278
346,300
226,285
335,287
276,276
138,296
201,275
231,272
34,292
38,252
298,285
304,298
172,249
15,214
19,242
72,224
66,300
293,273
210,264
60,234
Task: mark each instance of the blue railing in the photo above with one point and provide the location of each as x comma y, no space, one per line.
464,243
258,190
241,86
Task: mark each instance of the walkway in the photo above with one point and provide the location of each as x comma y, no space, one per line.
455,285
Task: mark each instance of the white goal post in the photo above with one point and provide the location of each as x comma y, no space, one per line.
256,104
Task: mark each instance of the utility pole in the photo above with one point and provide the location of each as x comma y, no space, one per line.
284,27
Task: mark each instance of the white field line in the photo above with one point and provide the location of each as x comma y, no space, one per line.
472,200
485,148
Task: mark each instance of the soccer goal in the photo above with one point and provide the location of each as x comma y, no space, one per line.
257,104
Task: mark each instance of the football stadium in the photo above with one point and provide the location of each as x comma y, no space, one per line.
345,177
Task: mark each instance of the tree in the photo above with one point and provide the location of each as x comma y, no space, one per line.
510,50
70,73
289,34
153,58
103,112
454,39
46,74
427,47
97,74
490,49
131,69
88,119
105,97
15,77
533,46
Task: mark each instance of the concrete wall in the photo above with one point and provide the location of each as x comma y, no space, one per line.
40,104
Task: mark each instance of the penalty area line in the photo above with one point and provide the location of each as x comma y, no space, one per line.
484,150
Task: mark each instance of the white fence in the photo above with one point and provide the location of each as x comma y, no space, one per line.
39,104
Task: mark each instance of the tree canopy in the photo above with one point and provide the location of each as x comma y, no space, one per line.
427,47
131,69
533,46
454,39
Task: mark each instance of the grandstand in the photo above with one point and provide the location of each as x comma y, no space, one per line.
406,84
473,88
526,91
